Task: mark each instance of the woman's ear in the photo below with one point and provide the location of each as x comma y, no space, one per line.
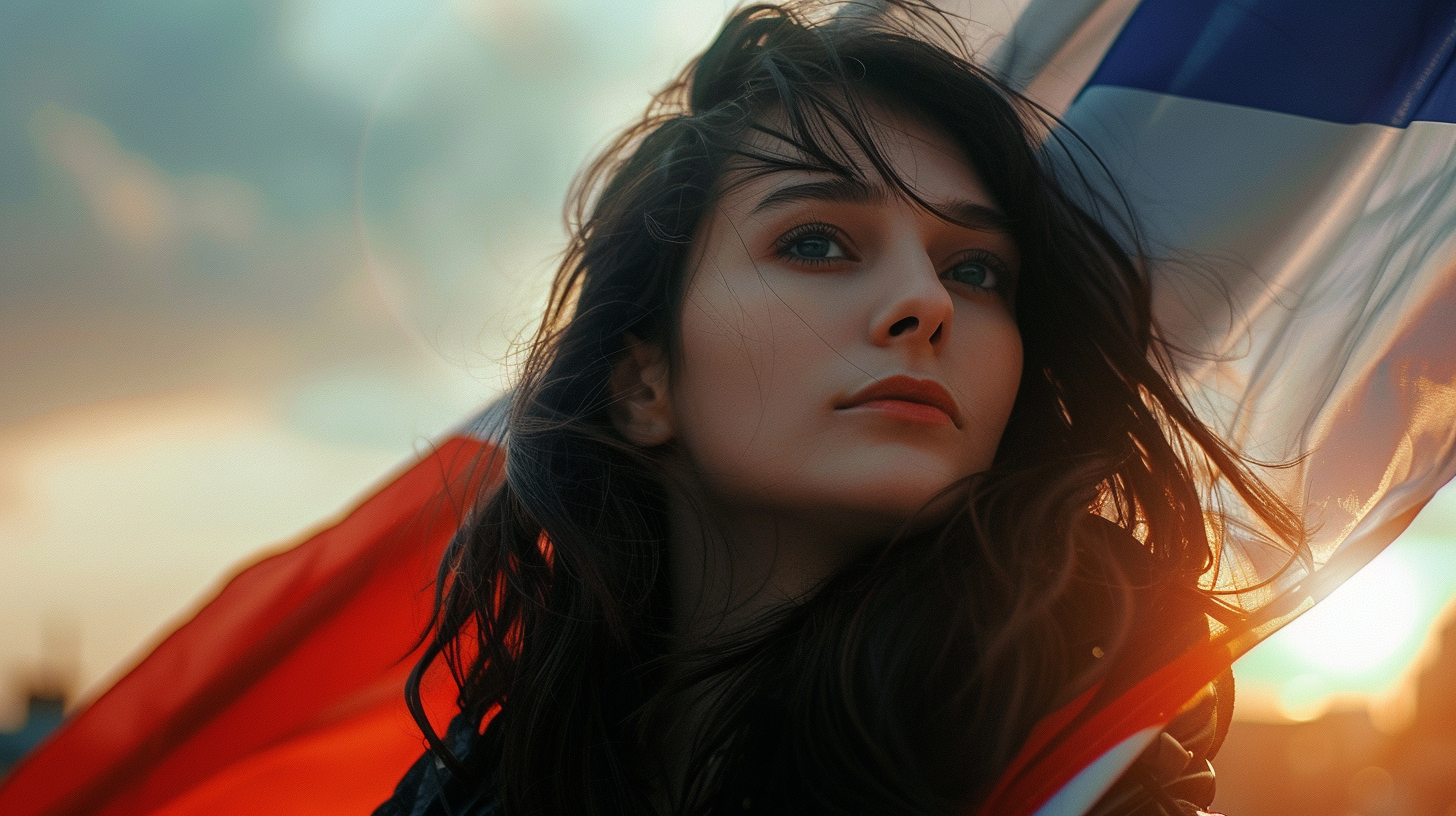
641,405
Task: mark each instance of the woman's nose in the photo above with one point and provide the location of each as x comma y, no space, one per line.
916,308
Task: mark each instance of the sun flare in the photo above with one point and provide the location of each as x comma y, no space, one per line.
1360,625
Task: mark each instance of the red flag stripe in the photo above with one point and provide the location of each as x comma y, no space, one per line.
296,651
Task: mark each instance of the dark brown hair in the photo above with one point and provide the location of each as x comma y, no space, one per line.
909,679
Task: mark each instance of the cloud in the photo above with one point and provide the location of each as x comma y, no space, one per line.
127,196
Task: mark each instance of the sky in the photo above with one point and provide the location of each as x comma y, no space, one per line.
255,256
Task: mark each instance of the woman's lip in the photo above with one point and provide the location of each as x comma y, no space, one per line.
911,411
908,397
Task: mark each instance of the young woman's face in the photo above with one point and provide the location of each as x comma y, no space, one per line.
846,354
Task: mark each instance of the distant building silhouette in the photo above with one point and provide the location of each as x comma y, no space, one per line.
44,711
1422,757
1342,764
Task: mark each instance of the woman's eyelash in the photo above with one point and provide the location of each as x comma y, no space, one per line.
811,240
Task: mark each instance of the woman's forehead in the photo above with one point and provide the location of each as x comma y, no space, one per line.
905,156
779,191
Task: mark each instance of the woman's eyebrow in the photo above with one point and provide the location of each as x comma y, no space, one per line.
837,190
853,191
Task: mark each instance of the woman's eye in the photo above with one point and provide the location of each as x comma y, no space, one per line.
816,247
982,273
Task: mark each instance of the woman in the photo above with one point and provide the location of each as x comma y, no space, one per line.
845,453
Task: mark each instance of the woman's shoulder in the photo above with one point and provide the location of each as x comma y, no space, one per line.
432,788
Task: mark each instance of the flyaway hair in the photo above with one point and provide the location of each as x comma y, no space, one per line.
249,706
907,682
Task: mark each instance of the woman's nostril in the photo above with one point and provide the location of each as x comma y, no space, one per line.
903,325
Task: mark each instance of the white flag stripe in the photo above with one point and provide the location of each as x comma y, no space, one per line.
1309,260
1079,795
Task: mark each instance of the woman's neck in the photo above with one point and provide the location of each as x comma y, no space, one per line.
729,570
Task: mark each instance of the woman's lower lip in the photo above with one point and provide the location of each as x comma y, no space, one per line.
909,411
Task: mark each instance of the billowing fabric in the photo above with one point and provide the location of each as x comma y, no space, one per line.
1293,166
1293,163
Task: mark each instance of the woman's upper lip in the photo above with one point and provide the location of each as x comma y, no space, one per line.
907,389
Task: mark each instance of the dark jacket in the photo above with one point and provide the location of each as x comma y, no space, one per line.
1173,777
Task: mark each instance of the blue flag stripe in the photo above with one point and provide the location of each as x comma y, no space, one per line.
1344,61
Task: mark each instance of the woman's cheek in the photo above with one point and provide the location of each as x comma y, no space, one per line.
753,376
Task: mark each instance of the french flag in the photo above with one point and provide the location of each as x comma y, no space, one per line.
1292,166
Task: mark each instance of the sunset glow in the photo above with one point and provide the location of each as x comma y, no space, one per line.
1361,624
